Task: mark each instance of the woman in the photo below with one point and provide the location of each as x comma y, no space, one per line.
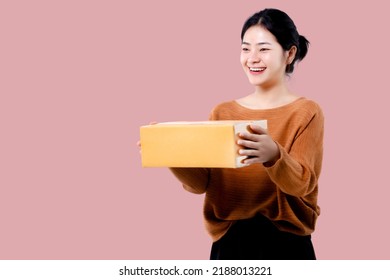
268,209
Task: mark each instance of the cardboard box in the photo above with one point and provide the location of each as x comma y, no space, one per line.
193,144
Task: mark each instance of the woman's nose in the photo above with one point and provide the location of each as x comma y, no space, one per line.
254,58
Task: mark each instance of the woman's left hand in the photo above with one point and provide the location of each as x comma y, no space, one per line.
258,146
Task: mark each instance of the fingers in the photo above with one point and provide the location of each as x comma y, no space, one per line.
257,129
251,141
251,144
248,152
247,136
255,145
253,132
250,160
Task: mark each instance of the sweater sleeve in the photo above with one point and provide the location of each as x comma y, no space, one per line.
194,180
296,172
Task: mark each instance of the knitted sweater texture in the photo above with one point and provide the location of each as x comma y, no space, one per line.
286,192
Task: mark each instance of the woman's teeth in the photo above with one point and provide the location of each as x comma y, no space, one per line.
256,69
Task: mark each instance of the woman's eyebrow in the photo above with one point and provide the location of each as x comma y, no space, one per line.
258,44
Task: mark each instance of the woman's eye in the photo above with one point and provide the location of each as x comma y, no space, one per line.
263,49
245,49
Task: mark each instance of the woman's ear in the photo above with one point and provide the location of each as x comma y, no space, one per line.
291,54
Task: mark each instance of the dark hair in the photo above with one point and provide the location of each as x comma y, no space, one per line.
283,28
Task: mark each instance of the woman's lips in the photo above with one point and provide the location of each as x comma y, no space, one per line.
256,70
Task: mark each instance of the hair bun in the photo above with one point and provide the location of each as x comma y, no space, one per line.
303,47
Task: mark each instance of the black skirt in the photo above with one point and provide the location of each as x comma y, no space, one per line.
259,239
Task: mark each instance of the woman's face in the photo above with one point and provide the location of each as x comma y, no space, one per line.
263,58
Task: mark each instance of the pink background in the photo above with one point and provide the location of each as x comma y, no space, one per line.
78,78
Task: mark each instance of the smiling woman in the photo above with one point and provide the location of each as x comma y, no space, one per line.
268,209
283,30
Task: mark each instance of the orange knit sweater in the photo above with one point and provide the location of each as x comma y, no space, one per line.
286,192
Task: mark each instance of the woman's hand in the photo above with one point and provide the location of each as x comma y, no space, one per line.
258,146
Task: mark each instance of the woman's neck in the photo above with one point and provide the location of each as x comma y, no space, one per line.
267,98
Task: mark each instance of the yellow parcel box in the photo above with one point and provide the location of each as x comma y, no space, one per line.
193,144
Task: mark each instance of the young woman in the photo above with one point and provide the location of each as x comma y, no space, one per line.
268,209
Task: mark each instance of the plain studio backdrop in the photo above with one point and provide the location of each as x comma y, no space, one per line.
78,79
